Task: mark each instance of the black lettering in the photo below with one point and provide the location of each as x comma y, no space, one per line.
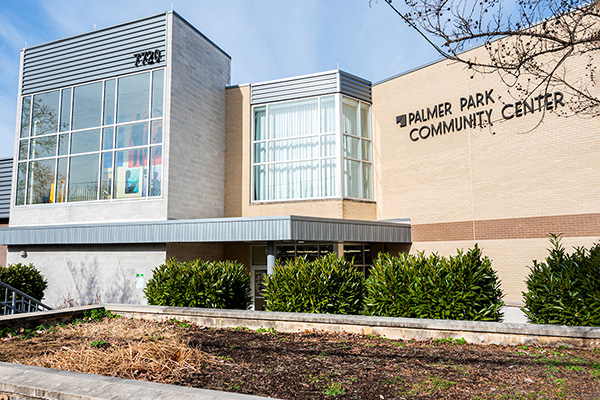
463,103
448,108
418,117
479,98
432,114
479,114
458,127
471,103
518,109
548,104
528,107
558,99
488,113
506,106
436,131
414,139
157,55
488,96
424,128
138,58
150,57
468,121
411,118
449,127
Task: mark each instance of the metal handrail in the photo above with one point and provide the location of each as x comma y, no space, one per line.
16,302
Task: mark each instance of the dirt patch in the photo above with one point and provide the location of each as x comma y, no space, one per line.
309,365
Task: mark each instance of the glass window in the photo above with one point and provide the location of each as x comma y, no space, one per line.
133,98
365,121
65,110
365,150
155,171
284,253
328,114
329,178
23,149
25,116
21,182
309,251
63,144
328,145
352,183
45,113
351,147
293,119
40,179
367,187
87,106
132,135
349,116
106,176
294,149
157,132
59,192
83,178
296,180
260,119
259,190
43,147
109,102
107,138
158,82
130,176
259,255
85,141
260,152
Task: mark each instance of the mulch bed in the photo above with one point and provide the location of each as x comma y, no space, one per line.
309,365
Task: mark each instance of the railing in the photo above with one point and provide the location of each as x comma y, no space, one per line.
13,301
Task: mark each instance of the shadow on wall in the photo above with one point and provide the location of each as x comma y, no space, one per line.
93,285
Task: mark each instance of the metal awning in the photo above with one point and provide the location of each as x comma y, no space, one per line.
248,229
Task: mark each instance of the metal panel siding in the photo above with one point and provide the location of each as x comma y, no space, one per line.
92,56
293,88
355,87
5,183
284,228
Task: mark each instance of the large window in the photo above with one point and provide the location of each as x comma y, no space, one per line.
98,141
296,150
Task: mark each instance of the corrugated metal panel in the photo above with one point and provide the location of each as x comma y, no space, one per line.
355,86
260,229
5,183
94,55
294,88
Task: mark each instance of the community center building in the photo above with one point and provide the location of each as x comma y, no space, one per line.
132,147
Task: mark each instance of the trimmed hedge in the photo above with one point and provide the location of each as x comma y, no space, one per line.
565,289
212,284
25,278
328,284
463,287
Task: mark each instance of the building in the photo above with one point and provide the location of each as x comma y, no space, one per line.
149,153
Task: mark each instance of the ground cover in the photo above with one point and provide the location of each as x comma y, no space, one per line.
307,365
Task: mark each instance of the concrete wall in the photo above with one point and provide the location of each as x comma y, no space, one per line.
196,151
238,173
505,185
88,273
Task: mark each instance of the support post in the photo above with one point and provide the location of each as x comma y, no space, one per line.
270,257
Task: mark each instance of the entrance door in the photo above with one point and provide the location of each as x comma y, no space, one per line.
258,278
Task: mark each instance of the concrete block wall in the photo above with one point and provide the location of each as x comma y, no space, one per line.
199,73
90,272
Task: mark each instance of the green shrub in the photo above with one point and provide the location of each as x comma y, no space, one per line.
25,278
328,284
212,284
463,287
565,289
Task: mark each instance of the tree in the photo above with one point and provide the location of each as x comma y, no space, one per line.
533,45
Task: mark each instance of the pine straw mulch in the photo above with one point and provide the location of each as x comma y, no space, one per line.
308,365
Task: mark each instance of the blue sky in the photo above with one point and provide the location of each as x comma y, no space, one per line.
267,39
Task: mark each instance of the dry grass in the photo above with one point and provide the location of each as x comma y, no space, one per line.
126,348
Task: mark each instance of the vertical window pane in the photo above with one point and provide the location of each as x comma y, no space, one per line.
83,178
351,147
354,252
43,147
328,145
132,135
45,113
328,114
295,149
109,102
365,121
25,116
21,177
63,144
155,171
260,183
260,126
60,190
349,117
85,142
65,110
87,106
106,176
352,182
329,181
107,138
157,132
41,177
365,150
23,149
294,180
130,176
367,187
260,152
158,81
259,255
293,119
133,96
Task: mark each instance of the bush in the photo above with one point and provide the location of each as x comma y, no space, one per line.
565,289
213,284
328,284
463,287
25,278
